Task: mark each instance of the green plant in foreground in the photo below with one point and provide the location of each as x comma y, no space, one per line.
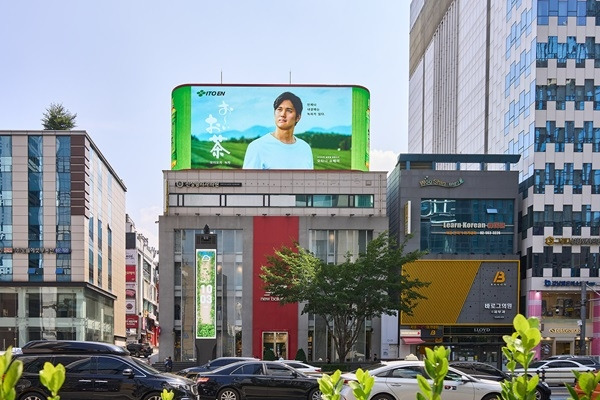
519,350
588,381
436,366
331,386
53,378
9,375
167,395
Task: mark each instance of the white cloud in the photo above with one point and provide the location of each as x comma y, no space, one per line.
147,224
383,160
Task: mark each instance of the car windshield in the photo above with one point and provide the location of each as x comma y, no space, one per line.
537,364
371,367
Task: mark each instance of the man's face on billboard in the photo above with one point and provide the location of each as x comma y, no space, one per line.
286,116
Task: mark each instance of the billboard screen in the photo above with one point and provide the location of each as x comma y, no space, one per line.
270,127
206,275
483,292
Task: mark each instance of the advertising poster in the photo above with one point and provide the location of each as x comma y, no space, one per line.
483,292
206,275
235,127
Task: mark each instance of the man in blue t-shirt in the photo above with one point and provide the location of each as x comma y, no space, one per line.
281,149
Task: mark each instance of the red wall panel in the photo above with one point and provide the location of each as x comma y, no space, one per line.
270,233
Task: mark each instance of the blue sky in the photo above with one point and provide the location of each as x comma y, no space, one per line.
115,63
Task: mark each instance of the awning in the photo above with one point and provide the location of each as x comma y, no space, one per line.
412,340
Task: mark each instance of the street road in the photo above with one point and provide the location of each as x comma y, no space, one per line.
559,393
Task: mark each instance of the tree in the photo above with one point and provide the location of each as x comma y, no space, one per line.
58,118
348,293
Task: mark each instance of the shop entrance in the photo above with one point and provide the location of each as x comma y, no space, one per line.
277,342
564,347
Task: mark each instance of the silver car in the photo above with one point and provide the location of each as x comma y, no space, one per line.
397,380
555,372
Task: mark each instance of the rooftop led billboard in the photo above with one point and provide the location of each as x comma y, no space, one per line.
270,127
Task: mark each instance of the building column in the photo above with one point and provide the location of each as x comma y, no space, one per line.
534,309
595,336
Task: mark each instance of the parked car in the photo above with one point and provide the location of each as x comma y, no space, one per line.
587,361
397,380
140,349
257,380
303,367
485,371
96,371
192,372
555,372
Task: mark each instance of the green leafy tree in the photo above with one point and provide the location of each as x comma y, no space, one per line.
269,355
331,385
58,118
346,294
9,375
53,378
436,367
300,355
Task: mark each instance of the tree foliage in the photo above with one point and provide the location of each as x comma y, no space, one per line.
58,118
345,294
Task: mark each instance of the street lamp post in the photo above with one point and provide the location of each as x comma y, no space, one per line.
583,314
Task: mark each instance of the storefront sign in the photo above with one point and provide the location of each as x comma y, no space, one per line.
427,181
550,240
181,184
35,250
267,297
548,282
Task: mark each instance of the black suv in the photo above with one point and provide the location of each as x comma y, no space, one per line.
140,349
96,371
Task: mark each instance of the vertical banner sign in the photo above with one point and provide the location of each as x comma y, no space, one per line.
206,274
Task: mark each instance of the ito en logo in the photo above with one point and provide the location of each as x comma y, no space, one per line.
499,278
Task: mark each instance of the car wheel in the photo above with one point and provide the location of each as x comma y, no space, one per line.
314,394
153,396
33,396
382,397
491,397
228,394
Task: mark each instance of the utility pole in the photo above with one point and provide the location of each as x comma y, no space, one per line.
583,315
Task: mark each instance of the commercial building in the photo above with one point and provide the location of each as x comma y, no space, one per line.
465,218
251,213
141,287
62,239
521,77
221,220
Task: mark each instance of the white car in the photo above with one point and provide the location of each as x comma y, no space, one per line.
303,367
397,380
555,372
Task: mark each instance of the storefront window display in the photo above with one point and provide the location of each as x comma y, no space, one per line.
467,226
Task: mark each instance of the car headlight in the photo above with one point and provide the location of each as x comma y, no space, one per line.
183,387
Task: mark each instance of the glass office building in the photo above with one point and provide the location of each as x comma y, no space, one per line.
520,77
62,231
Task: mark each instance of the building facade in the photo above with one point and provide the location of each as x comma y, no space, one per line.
521,77
242,216
62,239
141,288
466,221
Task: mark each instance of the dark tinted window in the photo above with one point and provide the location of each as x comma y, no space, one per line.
249,369
279,370
77,364
409,372
111,366
33,364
